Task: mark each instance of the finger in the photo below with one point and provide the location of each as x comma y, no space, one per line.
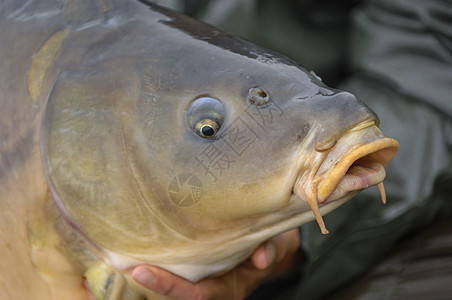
88,289
233,285
275,249
264,256
286,244
163,282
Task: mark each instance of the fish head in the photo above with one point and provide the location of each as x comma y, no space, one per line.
189,156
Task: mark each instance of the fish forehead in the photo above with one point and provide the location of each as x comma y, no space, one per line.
165,46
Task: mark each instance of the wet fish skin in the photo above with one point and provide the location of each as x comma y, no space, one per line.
120,78
142,110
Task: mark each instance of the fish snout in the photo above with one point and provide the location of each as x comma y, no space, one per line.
350,152
360,110
332,113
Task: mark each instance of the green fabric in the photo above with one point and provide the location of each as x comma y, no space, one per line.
420,261
409,43
400,62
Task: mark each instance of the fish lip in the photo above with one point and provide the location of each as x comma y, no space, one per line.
377,154
357,161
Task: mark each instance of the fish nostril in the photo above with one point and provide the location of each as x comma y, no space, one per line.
322,147
258,97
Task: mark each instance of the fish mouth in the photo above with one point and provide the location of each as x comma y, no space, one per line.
355,162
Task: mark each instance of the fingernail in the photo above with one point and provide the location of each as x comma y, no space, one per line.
270,252
144,276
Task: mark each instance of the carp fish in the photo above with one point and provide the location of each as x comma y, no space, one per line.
131,134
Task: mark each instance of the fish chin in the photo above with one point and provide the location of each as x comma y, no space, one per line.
356,162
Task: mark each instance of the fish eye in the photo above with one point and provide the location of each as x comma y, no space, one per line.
207,128
205,116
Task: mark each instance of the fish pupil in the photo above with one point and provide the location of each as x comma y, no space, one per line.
207,130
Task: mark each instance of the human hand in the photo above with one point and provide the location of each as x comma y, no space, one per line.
271,260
